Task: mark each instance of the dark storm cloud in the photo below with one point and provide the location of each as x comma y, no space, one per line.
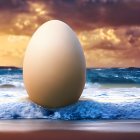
80,14
14,5
87,14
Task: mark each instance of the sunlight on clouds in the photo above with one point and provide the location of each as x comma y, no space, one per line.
109,47
38,8
94,37
109,37
26,22
103,47
12,49
15,38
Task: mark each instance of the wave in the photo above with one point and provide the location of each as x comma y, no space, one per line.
97,101
7,86
12,85
114,75
84,109
93,75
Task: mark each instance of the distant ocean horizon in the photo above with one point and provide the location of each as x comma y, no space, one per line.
109,93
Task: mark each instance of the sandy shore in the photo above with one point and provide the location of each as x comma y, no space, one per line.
69,130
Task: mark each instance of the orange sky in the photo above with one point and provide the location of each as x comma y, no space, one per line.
108,30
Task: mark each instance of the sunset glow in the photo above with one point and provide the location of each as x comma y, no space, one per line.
109,31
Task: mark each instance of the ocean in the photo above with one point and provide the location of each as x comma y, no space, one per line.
109,94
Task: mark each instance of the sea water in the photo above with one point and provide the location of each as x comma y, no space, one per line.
112,93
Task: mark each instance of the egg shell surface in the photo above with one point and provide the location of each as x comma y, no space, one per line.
54,66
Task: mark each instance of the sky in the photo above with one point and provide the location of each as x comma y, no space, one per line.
109,30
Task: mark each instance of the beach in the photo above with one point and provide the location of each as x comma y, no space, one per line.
68,130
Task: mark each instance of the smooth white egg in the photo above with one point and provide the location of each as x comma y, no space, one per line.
54,68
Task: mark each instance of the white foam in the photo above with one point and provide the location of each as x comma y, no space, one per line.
95,103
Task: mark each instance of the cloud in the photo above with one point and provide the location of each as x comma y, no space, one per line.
110,38
24,16
12,48
117,58
14,5
109,30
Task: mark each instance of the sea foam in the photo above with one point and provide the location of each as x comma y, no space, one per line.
103,97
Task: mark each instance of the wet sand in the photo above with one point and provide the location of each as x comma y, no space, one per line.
69,130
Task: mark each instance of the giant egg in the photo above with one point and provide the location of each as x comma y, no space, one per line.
54,66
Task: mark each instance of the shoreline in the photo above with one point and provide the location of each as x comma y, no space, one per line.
67,130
